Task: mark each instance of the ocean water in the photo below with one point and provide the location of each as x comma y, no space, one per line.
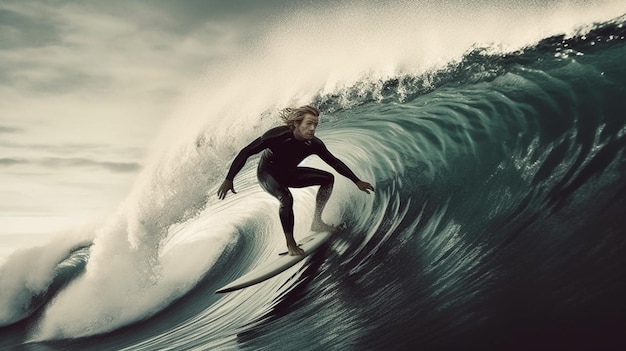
497,223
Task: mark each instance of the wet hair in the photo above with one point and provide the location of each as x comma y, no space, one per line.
291,116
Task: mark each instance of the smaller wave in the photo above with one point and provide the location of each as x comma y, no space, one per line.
31,277
122,284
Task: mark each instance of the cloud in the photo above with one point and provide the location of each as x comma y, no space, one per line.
86,85
11,161
100,82
61,149
106,47
19,30
57,162
108,73
9,130
122,167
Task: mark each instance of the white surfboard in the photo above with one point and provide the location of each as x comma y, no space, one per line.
272,268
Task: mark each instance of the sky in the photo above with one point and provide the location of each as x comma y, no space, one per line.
85,86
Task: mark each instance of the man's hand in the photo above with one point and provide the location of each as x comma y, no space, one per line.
364,186
224,188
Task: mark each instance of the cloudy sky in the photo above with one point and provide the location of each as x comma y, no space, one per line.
86,85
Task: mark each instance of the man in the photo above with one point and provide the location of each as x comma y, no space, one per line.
283,149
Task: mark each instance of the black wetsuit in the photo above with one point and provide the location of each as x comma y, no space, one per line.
278,168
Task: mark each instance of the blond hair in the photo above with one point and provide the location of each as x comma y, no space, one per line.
291,116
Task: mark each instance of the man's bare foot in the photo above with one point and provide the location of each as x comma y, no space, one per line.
294,250
323,227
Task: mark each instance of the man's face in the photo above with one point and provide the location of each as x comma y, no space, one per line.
305,130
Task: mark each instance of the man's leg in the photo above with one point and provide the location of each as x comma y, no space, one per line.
323,194
306,176
285,211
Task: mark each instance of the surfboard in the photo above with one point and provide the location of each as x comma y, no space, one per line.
274,267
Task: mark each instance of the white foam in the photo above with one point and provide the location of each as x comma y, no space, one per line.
28,272
125,283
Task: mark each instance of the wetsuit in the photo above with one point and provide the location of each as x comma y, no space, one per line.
278,169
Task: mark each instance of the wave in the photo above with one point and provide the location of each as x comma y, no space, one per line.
29,283
499,194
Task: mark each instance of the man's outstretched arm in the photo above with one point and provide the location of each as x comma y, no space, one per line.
227,185
343,169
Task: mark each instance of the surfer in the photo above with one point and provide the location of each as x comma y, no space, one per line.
283,149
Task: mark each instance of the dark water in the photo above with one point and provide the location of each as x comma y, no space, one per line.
498,222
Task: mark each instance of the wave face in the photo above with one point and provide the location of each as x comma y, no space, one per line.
497,222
